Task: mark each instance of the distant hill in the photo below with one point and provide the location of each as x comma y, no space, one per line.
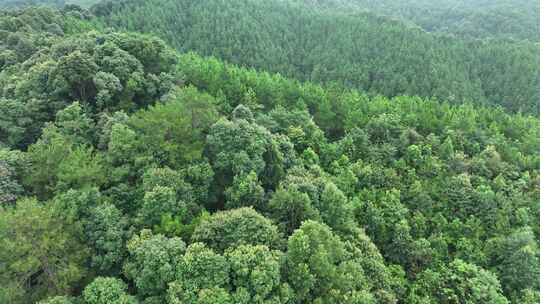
49,3
516,19
356,49
24,3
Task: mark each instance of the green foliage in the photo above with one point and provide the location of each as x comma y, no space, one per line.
201,268
335,209
256,275
60,164
119,72
179,226
290,207
74,124
161,200
41,254
12,166
107,232
320,269
244,274
232,228
107,290
459,283
152,263
239,147
516,259
176,129
57,300
246,191
529,296
205,296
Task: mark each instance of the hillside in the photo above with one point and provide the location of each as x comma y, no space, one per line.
515,19
359,50
14,4
131,173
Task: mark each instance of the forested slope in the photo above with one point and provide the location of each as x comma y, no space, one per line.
131,173
375,54
23,3
515,19
15,4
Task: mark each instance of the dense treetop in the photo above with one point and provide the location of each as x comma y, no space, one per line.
131,173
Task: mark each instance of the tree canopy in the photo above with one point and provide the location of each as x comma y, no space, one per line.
133,173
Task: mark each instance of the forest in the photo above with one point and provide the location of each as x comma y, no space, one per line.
17,4
512,19
249,151
364,51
